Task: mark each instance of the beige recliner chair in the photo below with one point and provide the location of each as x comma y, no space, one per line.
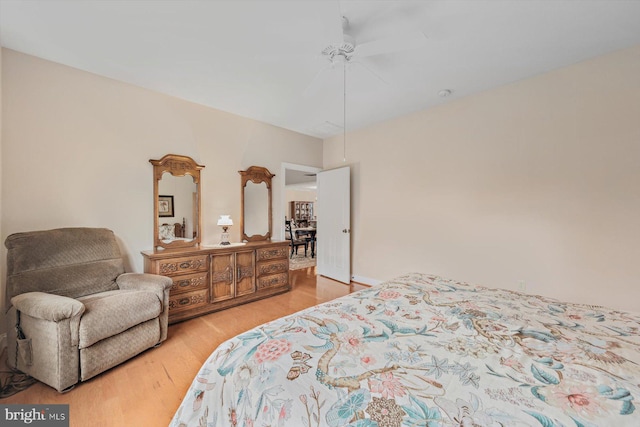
77,311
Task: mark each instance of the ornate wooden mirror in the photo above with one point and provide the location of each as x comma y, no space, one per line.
176,195
255,204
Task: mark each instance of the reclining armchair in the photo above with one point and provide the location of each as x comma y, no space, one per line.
74,312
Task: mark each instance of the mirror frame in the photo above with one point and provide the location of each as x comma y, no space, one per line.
257,175
176,165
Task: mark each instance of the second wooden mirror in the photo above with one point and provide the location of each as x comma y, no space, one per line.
255,204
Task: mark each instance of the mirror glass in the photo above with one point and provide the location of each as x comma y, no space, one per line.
256,208
255,204
177,198
176,194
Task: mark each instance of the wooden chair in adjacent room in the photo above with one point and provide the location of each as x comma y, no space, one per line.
294,242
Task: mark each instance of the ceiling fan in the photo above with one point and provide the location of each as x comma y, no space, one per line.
346,50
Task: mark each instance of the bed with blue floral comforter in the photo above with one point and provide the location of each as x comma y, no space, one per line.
421,350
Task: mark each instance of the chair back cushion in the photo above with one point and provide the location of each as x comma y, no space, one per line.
72,262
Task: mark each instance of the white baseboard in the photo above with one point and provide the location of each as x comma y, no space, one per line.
365,280
3,342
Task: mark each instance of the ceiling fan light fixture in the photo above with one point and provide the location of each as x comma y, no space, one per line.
339,53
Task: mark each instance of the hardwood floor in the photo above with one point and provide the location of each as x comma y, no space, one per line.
147,390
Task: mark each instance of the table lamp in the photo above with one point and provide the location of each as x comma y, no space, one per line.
225,222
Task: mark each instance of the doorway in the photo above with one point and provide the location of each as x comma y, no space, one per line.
300,184
336,263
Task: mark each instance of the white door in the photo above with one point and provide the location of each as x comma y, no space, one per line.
334,224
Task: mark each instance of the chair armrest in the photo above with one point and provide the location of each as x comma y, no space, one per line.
47,306
144,281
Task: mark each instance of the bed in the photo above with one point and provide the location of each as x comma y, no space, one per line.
421,350
171,232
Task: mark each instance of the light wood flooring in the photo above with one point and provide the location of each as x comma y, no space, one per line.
147,390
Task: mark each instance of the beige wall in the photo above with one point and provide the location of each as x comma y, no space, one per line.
76,150
537,181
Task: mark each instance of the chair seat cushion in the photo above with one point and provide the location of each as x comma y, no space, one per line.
112,312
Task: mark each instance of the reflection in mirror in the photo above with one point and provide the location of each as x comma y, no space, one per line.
178,220
176,194
256,203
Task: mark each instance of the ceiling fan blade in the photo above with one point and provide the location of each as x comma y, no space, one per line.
406,41
315,84
334,29
369,70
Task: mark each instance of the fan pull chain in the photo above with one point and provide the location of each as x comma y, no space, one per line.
344,112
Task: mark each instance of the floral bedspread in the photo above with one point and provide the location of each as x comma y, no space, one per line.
421,350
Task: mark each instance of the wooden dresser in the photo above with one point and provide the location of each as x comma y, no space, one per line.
211,278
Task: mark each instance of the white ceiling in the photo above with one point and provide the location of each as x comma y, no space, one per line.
261,59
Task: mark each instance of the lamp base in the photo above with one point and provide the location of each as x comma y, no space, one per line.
225,237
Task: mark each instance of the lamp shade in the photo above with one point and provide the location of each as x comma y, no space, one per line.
225,220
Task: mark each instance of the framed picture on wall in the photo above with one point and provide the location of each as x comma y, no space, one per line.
165,206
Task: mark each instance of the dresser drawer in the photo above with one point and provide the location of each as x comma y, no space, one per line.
186,301
266,254
189,282
272,281
182,265
272,267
